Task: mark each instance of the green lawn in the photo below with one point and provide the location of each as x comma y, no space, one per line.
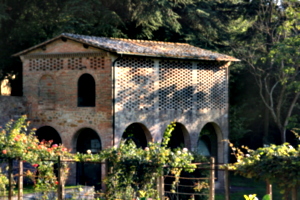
240,186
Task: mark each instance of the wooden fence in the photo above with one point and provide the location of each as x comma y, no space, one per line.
162,186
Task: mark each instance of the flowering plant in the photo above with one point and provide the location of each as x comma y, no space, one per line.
17,142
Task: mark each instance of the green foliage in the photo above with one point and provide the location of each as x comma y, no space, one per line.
269,48
134,171
237,125
278,164
17,142
3,183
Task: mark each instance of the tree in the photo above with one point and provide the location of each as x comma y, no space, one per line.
271,53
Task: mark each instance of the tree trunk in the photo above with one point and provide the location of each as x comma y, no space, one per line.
266,121
283,135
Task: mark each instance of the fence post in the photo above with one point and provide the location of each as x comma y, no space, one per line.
212,179
226,184
10,178
104,172
20,180
160,187
294,193
60,188
269,189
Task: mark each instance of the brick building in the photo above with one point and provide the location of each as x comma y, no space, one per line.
88,92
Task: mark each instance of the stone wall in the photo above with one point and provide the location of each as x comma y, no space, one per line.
12,108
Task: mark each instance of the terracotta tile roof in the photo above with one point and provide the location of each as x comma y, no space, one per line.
142,48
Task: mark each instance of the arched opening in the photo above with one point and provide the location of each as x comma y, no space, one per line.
179,138
48,133
208,141
88,173
86,91
138,133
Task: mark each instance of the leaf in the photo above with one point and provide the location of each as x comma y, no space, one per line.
267,197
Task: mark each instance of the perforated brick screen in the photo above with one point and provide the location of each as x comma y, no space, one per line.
175,84
73,63
96,62
211,90
45,64
135,85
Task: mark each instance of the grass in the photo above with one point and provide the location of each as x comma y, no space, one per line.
241,186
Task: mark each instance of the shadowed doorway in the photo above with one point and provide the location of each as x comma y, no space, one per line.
88,173
138,133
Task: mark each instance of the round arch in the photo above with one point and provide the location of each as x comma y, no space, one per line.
86,91
88,173
48,133
87,139
180,137
208,140
138,133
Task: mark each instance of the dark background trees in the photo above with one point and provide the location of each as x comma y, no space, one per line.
261,33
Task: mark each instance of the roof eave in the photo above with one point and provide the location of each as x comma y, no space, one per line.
56,38
232,59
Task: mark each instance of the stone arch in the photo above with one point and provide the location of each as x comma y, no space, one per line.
180,137
46,92
86,91
87,139
48,133
209,140
139,133
88,173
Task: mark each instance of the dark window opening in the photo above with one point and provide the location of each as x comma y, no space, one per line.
86,91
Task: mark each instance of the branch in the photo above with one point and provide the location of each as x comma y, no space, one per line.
265,102
286,121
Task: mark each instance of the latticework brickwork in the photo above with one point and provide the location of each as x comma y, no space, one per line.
177,85
45,64
135,83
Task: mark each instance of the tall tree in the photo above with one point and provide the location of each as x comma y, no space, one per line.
271,54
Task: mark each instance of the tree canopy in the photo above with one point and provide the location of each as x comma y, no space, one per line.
262,33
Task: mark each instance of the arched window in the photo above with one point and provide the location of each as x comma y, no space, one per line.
86,91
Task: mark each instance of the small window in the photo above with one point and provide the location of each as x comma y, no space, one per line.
86,91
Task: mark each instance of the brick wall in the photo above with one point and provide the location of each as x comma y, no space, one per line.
50,84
